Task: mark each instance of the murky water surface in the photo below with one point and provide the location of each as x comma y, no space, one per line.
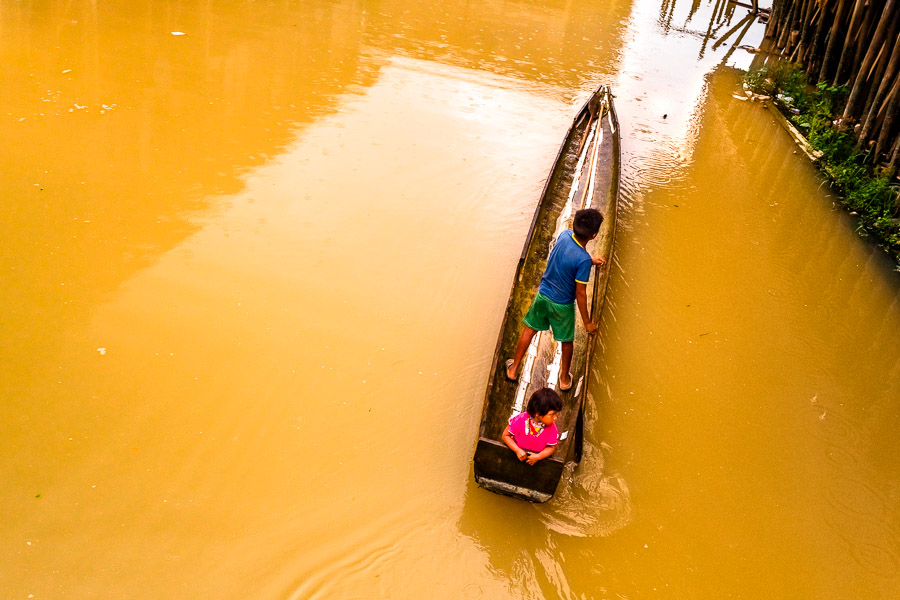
254,261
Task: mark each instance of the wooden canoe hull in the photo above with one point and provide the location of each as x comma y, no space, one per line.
585,174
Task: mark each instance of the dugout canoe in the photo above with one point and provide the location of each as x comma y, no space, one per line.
585,174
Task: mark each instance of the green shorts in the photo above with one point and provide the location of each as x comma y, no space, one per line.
546,314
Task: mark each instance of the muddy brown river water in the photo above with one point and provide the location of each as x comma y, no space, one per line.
254,260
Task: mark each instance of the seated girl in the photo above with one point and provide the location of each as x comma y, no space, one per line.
532,435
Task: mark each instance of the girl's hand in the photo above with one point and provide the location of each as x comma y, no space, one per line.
532,458
522,454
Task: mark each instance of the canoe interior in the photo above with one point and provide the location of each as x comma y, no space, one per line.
585,174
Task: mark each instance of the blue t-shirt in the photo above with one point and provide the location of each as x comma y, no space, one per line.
569,263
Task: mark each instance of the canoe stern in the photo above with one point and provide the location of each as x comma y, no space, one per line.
499,470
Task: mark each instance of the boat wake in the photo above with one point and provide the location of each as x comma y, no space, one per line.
588,501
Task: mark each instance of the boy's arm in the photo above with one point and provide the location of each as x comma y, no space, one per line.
509,441
533,458
581,301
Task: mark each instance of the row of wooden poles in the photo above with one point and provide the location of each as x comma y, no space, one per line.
848,42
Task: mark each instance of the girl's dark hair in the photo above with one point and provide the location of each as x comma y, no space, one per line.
587,222
543,401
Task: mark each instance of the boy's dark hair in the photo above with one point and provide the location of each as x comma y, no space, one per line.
587,223
543,401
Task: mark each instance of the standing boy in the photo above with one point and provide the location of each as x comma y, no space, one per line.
563,285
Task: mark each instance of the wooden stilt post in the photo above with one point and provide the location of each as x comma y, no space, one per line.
833,40
855,20
887,16
882,89
889,118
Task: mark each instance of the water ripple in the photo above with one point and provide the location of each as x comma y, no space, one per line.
664,165
875,559
588,502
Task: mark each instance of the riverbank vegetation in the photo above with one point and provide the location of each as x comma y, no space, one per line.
866,181
849,43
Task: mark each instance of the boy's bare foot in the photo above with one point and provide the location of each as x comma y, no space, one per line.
565,386
509,364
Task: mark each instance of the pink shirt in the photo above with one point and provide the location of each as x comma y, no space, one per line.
532,435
